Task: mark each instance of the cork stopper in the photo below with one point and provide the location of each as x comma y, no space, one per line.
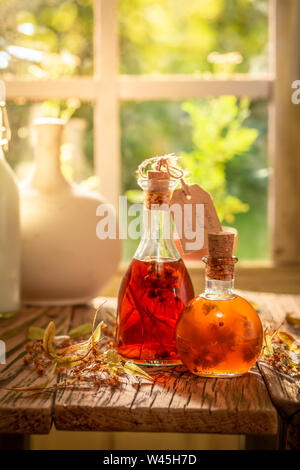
158,191
220,244
158,180
220,262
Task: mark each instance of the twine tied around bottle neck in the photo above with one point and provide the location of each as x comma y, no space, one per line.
156,181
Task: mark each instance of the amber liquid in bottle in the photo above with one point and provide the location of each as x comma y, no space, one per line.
219,337
219,334
154,291
152,296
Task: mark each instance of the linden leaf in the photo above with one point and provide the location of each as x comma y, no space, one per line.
35,333
82,330
113,369
267,346
97,333
135,370
65,360
111,356
74,348
83,345
288,340
48,339
293,319
98,309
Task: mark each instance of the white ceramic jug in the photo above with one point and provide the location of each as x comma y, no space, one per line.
63,261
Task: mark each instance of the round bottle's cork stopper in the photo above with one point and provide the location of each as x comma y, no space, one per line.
220,244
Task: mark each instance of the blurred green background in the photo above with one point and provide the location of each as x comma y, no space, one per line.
222,141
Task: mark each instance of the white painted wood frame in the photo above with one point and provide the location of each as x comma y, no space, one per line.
284,133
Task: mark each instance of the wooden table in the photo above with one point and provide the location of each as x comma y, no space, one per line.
261,403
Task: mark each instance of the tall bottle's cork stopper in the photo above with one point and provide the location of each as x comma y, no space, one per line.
220,244
158,190
158,180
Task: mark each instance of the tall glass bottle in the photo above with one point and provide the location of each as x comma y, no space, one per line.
10,240
156,286
219,334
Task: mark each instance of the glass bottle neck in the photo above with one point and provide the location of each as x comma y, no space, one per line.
157,236
47,175
219,277
219,288
157,224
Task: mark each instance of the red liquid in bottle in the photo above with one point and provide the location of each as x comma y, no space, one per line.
152,296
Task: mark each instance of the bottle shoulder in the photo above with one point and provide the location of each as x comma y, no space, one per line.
232,301
233,297
218,296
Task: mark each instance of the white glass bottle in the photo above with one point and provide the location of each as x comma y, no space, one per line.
10,240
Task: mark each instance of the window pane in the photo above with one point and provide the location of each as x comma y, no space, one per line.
222,142
46,38
194,36
77,148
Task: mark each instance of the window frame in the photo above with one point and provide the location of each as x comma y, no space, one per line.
107,88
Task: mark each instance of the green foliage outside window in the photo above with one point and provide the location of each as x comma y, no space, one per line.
218,136
222,140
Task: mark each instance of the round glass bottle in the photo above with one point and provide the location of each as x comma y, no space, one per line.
156,286
219,334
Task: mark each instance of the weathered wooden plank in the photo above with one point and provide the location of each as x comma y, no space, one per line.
19,412
176,401
284,391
